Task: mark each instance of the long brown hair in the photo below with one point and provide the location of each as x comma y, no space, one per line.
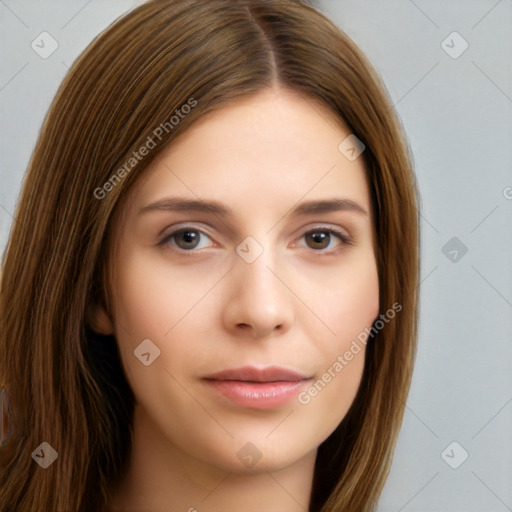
65,382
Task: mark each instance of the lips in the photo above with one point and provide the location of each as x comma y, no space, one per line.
252,374
256,388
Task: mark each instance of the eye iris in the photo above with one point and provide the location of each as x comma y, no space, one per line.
320,239
188,237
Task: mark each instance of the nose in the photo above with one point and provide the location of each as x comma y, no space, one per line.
258,303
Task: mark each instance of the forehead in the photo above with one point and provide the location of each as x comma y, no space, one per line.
261,153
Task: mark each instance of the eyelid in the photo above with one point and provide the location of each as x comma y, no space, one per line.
169,230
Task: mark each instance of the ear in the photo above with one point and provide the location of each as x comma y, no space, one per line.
98,320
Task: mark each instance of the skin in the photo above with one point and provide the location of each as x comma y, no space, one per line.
298,305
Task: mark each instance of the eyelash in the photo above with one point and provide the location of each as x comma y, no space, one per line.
343,237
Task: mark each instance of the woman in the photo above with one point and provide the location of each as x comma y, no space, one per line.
209,294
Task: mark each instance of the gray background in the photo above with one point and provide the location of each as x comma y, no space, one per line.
457,115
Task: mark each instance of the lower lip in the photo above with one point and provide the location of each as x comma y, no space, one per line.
264,395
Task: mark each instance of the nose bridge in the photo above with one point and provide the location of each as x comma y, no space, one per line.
253,266
259,299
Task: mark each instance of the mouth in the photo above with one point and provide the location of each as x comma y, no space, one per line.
257,388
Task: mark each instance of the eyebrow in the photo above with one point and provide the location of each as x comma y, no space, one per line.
209,206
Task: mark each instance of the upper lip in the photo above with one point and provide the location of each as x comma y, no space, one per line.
253,374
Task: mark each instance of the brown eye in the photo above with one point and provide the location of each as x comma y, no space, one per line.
186,239
318,239
321,239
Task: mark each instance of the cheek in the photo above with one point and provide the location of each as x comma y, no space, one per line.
351,313
147,304
152,297
348,304
166,305
345,298
357,302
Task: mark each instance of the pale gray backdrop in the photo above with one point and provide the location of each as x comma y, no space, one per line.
448,68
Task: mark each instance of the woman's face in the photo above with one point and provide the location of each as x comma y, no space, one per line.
244,272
